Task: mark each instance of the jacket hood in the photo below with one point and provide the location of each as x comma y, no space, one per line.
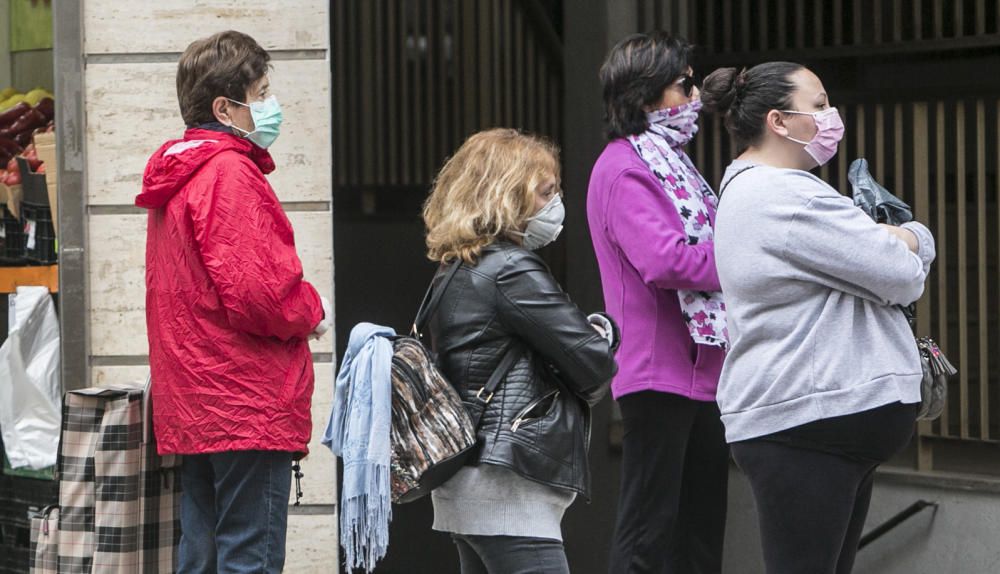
173,165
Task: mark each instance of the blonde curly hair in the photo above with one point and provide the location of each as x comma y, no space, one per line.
486,190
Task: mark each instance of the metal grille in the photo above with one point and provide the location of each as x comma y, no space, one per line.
413,78
781,26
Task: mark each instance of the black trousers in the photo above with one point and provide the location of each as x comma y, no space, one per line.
675,471
812,486
510,555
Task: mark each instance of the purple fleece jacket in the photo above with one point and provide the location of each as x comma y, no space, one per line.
644,257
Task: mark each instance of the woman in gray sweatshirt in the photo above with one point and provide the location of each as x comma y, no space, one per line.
822,377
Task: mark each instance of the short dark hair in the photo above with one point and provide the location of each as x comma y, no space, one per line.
225,64
634,75
744,97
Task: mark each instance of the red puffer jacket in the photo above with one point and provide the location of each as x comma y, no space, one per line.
227,310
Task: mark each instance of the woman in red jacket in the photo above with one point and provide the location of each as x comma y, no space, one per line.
228,313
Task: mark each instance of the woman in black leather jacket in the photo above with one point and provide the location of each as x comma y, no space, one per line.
495,201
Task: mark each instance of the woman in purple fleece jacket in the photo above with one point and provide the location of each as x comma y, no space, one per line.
651,216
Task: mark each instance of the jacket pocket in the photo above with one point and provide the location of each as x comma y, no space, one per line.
290,389
535,411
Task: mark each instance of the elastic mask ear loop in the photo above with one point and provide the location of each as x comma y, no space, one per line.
798,141
234,126
239,129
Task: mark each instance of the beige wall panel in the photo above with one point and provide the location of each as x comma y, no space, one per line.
109,376
314,243
312,545
302,152
125,126
117,277
114,26
117,252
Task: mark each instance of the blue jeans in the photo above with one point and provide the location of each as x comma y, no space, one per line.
510,555
234,512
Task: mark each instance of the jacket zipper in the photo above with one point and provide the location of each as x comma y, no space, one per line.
589,414
520,420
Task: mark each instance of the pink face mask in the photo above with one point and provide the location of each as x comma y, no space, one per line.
829,131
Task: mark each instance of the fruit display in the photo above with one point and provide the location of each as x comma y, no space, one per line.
10,173
21,117
9,97
26,196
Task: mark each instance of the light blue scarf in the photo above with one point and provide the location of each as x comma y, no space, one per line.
358,432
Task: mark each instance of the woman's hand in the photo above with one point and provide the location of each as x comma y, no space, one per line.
326,322
604,327
905,235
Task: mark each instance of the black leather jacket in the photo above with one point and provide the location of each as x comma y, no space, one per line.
538,422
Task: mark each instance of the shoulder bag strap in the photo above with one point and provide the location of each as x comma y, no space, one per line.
485,394
737,174
432,299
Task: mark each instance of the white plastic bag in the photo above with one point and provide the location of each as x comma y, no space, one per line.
30,413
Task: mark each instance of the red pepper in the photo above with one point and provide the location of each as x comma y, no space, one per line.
23,138
10,116
9,146
47,106
30,120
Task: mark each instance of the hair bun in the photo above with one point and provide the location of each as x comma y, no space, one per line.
740,82
723,89
739,88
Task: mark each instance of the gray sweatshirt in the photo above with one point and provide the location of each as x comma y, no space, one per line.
811,286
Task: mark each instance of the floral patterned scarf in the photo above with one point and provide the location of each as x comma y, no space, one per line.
661,148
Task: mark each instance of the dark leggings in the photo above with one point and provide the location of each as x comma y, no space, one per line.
510,555
812,486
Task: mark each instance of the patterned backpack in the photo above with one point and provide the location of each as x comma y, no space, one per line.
433,431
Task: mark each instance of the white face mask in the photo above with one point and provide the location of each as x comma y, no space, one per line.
545,226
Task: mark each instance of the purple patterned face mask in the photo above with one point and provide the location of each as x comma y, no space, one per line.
678,124
829,131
